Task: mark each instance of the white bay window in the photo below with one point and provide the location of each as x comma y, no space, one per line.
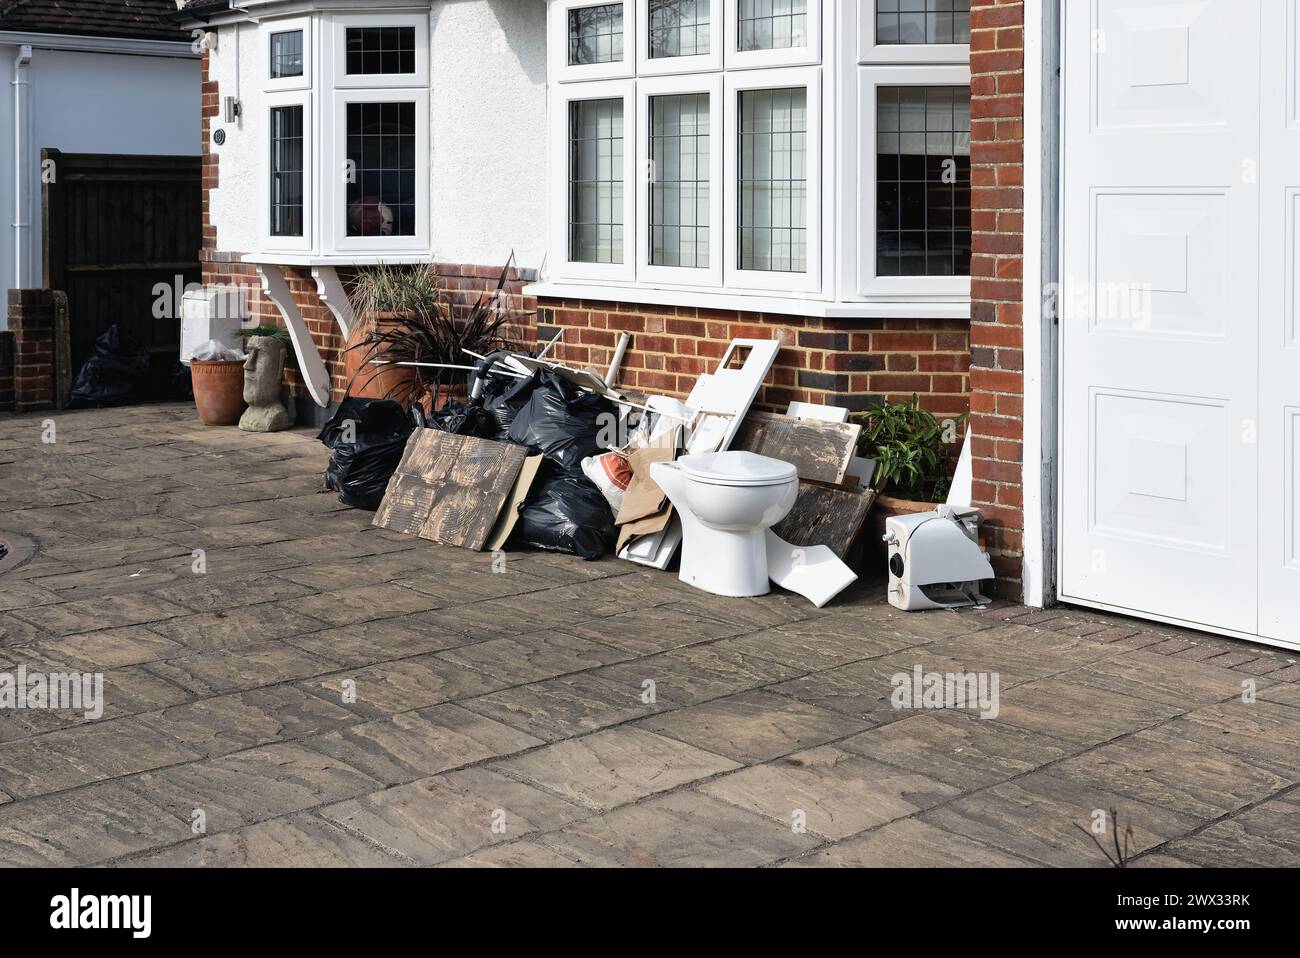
355,87
800,151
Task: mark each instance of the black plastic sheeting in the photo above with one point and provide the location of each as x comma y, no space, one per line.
116,374
563,422
566,513
363,461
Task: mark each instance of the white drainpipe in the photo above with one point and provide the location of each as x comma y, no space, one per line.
22,201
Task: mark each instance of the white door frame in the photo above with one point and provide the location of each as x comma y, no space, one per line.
1044,111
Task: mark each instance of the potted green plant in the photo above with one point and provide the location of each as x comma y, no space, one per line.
408,316
912,449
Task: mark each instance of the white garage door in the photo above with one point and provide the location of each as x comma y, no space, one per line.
1180,332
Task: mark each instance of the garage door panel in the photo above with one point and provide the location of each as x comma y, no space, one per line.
1160,470
1290,327
1159,466
1162,66
1291,487
1157,256
1279,355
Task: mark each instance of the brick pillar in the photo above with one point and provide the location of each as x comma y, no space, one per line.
6,370
31,320
211,107
997,358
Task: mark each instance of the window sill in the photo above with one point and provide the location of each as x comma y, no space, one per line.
753,302
393,258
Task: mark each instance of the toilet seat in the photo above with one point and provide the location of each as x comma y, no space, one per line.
737,469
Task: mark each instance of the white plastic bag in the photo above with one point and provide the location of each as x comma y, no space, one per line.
610,473
213,351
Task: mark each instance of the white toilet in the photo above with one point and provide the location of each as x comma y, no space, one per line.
727,501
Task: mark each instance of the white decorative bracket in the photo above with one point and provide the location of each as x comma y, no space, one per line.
304,347
330,289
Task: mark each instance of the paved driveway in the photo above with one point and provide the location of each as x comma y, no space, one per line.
286,685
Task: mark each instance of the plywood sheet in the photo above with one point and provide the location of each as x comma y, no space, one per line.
450,488
821,451
826,516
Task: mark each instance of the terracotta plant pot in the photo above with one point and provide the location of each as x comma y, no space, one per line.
367,381
219,390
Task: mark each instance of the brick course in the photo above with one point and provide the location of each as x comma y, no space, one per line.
31,321
853,363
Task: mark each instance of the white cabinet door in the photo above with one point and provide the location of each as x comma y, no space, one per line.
1279,353
1160,309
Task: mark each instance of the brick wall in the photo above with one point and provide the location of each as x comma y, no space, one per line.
997,360
31,320
842,363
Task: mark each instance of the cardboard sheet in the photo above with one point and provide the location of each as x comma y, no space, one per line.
450,488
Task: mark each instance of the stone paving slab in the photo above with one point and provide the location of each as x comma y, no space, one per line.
831,792
754,726
684,829
449,816
615,767
320,692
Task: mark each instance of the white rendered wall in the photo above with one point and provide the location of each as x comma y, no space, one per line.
237,66
92,103
487,133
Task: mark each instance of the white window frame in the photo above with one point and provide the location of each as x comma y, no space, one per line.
737,59
869,51
306,242
869,284
710,275
336,192
340,79
558,44
735,278
561,97
658,66
282,84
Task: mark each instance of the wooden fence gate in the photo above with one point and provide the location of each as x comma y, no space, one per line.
116,227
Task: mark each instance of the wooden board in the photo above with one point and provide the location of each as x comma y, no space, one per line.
821,451
826,516
450,488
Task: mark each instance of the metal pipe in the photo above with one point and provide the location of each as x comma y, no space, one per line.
386,362
611,377
547,348
22,200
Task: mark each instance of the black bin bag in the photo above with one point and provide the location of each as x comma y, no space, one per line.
116,374
566,513
562,422
366,455
502,398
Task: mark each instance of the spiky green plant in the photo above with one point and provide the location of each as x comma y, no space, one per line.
910,447
428,329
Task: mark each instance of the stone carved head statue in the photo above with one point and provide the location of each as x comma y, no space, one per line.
263,370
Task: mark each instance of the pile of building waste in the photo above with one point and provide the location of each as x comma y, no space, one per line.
547,456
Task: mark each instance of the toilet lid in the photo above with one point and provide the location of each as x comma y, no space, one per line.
737,469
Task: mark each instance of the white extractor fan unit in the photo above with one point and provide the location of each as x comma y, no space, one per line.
935,559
